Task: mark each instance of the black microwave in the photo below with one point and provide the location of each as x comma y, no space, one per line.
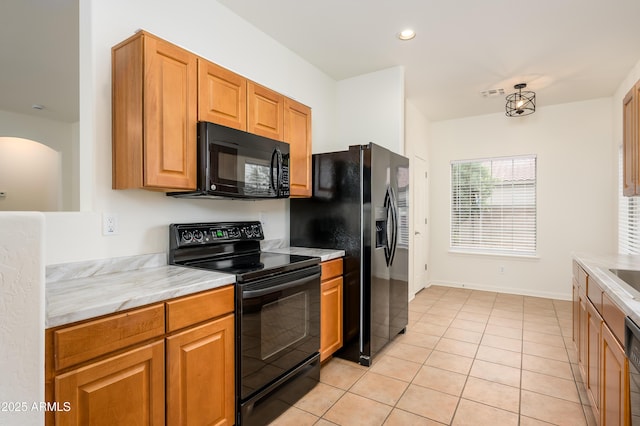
237,164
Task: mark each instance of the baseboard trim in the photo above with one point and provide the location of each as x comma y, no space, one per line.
498,289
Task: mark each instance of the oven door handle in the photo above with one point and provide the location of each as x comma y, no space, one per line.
248,294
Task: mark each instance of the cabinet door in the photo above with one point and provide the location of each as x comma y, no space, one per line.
614,408
265,115
200,375
576,313
582,334
330,317
222,96
126,390
297,133
170,106
630,142
594,326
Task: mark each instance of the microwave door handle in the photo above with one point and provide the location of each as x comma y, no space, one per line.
280,172
274,159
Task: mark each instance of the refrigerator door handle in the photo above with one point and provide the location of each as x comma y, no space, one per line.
389,218
394,238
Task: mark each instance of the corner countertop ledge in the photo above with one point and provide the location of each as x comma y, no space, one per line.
84,297
597,267
323,254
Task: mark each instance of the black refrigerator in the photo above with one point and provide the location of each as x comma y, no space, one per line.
360,204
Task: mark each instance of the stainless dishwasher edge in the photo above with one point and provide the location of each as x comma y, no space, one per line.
632,350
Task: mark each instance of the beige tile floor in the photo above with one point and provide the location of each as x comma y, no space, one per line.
468,358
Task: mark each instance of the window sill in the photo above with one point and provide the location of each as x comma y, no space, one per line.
494,254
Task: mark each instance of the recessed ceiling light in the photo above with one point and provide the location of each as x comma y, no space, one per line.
37,106
407,34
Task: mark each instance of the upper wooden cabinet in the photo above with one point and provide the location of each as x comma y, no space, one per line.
154,92
161,91
297,133
222,96
265,112
631,142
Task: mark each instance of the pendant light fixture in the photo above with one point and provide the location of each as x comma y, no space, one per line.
520,103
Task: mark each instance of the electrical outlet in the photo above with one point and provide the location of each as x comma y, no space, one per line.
109,224
263,220
501,269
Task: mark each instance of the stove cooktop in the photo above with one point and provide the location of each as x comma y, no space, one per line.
230,247
251,266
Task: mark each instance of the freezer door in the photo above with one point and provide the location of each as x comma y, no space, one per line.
399,266
381,235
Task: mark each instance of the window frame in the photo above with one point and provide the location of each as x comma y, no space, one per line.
482,248
628,216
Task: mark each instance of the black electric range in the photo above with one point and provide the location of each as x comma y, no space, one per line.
277,313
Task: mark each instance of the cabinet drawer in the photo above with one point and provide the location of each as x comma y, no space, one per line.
331,269
199,307
76,344
594,293
582,278
614,317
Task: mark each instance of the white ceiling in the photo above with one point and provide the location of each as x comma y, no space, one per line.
39,58
565,50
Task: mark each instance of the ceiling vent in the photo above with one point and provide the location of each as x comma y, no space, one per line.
491,93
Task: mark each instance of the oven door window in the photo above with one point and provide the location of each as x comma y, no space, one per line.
283,323
279,324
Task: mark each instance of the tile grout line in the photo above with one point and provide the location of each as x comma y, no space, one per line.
474,358
466,380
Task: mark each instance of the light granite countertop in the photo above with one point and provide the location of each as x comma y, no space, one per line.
83,290
323,254
597,267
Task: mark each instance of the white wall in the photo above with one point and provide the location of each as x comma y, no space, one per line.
207,29
54,134
370,108
21,316
30,176
575,196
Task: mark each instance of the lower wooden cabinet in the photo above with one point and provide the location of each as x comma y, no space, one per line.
603,364
594,339
200,375
154,368
330,308
126,389
614,409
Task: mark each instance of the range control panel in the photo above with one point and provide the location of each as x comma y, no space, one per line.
194,234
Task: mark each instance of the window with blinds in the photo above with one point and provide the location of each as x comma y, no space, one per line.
493,205
628,218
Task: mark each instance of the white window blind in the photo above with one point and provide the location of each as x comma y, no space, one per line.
628,218
403,219
493,205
